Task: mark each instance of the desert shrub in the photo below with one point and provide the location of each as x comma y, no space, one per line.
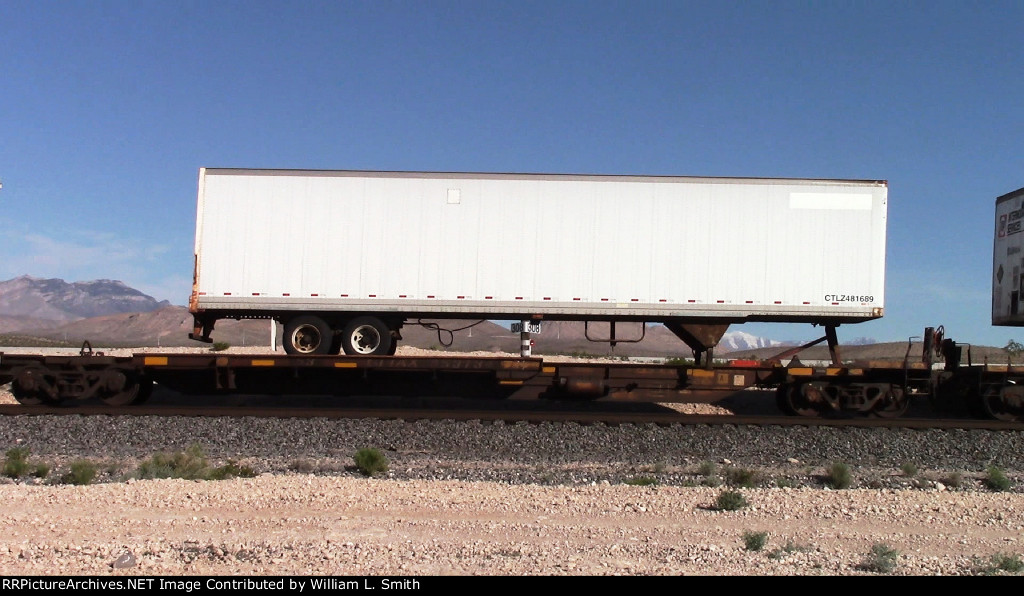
783,482
839,476
41,470
219,346
754,541
189,464
742,477
16,463
790,547
159,465
709,471
80,473
1002,563
880,559
730,500
996,479
370,462
579,355
952,480
909,469
230,470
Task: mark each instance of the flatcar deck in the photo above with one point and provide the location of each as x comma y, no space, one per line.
880,388
75,377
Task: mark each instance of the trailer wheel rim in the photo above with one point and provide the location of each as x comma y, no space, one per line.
365,339
306,339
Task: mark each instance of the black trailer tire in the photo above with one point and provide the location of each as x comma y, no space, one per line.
307,335
367,336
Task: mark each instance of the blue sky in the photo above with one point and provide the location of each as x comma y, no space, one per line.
109,108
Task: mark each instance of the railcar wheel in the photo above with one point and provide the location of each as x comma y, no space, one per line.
782,399
367,336
29,397
806,399
1004,403
29,387
135,391
307,335
893,404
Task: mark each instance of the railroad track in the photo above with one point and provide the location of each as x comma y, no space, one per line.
582,413
890,390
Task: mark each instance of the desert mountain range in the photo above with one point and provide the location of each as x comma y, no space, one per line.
38,311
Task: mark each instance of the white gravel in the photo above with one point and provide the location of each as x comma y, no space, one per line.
310,525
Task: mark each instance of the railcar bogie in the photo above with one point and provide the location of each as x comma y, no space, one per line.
824,397
1003,400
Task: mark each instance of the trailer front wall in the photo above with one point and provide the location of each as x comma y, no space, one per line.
1008,260
538,244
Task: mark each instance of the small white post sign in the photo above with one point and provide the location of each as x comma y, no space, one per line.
526,327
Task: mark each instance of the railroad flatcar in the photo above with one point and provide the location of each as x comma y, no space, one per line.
942,371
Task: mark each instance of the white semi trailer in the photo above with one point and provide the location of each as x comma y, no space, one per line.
344,259
1008,260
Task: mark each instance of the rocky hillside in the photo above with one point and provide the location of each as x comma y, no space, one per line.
35,299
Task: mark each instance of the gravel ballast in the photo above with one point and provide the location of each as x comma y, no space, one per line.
497,499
